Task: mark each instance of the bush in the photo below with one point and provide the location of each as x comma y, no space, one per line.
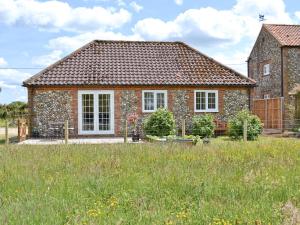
236,126
160,123
203,125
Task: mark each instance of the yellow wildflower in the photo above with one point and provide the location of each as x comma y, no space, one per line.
181,215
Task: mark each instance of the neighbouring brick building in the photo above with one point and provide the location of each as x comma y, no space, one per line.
97,86
274,63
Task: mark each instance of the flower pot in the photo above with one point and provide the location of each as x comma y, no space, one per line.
135,137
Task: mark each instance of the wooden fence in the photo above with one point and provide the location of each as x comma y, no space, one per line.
269,111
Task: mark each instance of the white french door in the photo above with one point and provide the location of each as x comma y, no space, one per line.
95,112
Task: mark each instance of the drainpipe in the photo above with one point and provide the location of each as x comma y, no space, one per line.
249,89
282,94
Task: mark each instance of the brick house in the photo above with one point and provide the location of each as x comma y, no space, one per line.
274,63
98,85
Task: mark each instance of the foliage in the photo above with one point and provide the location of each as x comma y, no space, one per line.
203,125
160,123
13,110
236,125
119,184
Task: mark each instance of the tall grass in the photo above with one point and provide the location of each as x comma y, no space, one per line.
149,184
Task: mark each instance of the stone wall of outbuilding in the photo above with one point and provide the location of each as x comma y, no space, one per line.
50,106
284,73
50,110
266,51
291,74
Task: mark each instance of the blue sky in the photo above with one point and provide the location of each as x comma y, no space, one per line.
36,33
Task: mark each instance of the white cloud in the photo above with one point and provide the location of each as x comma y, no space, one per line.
48,59
59,15
10,93
178,2
70,43
209,25
121,3
10,83
274,10
12,77
297,14
2,62
236,59
136,7
157,29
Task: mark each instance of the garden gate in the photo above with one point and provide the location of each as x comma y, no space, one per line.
269,111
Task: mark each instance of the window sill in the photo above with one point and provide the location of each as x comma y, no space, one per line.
207,111
95,132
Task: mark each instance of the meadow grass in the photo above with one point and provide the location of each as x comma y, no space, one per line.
150,183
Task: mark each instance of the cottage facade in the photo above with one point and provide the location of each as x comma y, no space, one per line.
274,63
100,84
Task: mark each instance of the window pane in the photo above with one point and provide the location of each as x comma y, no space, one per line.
200,101
211,100
87,112
160,100
148,101
104,111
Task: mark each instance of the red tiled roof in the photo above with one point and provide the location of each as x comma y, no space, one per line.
137,63
287,35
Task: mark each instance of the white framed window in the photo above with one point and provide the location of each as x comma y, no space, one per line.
206,101
266,96
95,112
153,100
266,69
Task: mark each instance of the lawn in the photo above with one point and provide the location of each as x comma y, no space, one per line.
149,183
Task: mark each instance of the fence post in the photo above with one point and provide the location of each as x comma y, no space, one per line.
6,133
183,128
19,130
245,125
126,132
66,131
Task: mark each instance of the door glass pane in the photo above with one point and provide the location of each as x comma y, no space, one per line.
200,100
87,112
211,100
160,101
149,100
104,112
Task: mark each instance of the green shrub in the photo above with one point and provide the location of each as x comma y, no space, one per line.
236,126
203,125
160,123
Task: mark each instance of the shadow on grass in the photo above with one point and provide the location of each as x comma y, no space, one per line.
12,140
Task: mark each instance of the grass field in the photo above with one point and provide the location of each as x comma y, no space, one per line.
149,183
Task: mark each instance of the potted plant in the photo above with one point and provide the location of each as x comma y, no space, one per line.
132,121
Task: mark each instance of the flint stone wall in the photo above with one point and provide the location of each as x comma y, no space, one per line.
293,71
51,107
266,51
233,102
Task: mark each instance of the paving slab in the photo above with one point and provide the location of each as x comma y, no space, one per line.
76,141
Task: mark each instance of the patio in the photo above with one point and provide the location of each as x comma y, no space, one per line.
110,140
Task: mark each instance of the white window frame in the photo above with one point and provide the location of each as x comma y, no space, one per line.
155,92
266,69
206,101
96,112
